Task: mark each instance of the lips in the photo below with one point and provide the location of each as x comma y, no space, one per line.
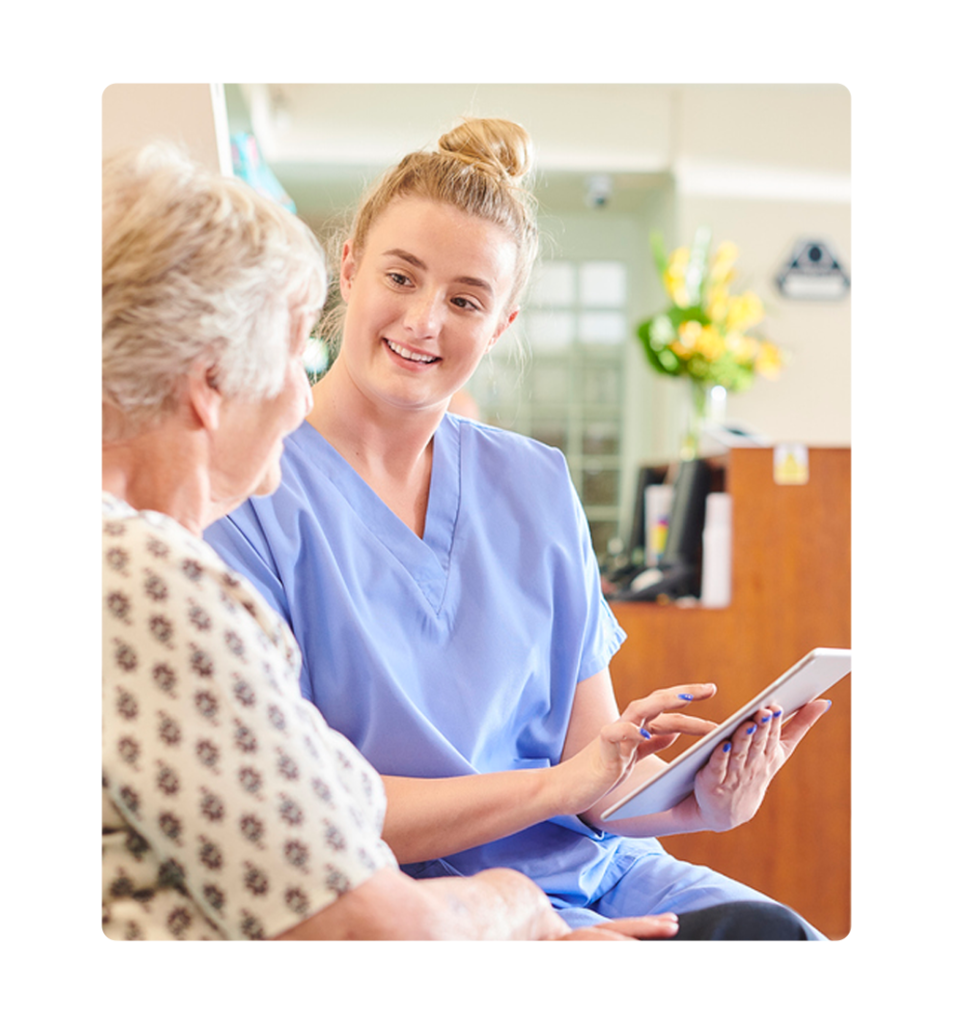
409,354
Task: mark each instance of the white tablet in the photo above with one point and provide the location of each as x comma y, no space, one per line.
805,681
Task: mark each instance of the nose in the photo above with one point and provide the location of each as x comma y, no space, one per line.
422,316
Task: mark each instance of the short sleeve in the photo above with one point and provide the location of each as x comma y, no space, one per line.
603,636
231,809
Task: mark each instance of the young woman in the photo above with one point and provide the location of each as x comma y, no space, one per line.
439,577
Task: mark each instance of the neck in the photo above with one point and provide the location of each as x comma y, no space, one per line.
158,471
369,434
390,448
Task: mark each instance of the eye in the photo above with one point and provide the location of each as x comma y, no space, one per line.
401,280
464,303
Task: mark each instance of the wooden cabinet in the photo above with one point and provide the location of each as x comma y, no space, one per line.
790,593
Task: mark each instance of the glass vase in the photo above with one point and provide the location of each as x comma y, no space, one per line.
698,413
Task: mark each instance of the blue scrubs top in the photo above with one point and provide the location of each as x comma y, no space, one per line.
452,654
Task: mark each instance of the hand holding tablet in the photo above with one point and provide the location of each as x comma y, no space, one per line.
802,683
731,787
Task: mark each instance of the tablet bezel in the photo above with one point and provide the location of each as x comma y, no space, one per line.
805,681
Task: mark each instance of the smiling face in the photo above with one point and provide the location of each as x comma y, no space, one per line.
426,299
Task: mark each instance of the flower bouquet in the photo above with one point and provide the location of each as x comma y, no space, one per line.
705,334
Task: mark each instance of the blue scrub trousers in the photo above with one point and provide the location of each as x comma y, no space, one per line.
656,883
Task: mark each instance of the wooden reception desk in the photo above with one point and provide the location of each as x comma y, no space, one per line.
791,577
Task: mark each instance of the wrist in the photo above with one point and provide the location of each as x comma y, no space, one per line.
555,791
573,788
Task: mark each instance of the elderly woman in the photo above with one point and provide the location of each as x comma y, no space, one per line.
230,809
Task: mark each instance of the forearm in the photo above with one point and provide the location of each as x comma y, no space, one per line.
494,904
429,818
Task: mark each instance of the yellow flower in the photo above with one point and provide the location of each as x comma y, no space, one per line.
711,343
716,306
743,348
689,334
769,361
674,277
721,268
744,311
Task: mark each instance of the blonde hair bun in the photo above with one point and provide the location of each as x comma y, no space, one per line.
500,147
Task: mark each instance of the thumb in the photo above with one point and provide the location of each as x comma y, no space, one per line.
799,724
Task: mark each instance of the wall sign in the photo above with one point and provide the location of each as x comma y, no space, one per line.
812,272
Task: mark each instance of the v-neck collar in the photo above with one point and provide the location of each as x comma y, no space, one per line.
426,559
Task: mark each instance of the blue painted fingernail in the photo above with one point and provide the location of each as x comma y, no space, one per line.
767,718
685,696
777,714
726,747
646,733
751,729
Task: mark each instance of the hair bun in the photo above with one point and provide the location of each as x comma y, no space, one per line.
498,146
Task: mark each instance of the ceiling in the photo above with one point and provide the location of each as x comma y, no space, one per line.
324,142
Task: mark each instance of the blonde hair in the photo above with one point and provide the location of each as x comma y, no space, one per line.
197,266
480,168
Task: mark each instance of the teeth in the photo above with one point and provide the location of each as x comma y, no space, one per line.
415,357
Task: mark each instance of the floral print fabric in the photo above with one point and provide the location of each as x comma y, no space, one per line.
230,809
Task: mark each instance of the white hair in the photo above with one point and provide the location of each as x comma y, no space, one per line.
197,266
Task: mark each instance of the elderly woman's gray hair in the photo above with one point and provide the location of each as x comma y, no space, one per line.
196,267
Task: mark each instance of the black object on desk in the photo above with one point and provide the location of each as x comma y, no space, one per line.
678,573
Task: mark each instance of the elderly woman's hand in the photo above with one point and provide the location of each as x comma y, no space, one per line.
730,788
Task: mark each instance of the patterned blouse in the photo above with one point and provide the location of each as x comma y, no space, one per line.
230,809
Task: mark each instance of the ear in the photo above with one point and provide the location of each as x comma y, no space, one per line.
348,269
204,398
502,326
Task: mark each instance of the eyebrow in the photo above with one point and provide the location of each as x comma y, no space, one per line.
414,261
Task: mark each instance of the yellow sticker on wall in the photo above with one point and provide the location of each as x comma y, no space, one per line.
790,464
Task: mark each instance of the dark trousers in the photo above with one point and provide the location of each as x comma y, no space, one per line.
740,921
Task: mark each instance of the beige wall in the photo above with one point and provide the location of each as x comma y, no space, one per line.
761,165
192,116
765,167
